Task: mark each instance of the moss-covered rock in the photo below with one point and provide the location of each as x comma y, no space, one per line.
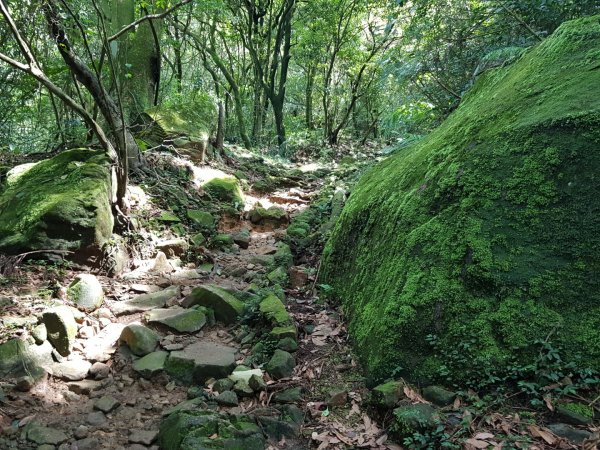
226,189
274,311
227,308
487,224
62,203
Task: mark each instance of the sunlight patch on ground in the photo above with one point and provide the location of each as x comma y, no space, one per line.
202,175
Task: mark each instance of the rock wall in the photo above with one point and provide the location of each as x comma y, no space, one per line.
485,233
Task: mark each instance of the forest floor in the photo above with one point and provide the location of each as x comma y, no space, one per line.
332,387
116,408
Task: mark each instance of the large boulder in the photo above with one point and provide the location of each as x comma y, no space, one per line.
62,203
484,233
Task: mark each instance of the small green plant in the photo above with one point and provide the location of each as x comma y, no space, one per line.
431,440
539,380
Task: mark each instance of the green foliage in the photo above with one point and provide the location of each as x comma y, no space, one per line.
433,440
484,224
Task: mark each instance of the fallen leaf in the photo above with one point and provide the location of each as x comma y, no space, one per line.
484,436
477,444
546,435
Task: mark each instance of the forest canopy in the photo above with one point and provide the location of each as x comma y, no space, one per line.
287,74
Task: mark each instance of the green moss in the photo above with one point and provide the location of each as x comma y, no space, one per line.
487,224
225,189
579,408
274,310
60,203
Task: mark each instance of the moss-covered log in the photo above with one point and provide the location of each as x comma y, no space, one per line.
485,232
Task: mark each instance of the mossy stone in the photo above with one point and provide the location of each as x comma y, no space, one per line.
483,225
151,364
288,344
387,395
225,189
278,276
227,308
140,339
281,364
62,203
86,292
202,219
278,333
274,311
411,419
438,395
61,328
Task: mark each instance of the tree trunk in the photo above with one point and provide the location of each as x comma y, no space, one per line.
308,108
127,148
219,141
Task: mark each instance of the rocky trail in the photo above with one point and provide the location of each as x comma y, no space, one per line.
217,334
172,354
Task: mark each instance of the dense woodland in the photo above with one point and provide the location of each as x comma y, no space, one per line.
270,224
287,74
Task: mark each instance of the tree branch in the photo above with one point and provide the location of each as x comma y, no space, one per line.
126,28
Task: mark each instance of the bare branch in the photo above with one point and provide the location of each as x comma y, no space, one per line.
126,28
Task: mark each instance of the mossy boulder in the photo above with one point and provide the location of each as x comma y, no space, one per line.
227,308
487,224
62,203
86,292
226,189
274,311
203,429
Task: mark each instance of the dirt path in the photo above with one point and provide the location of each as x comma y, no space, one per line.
114,406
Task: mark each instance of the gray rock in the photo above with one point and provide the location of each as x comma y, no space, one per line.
86,292
140,339
145,302
200,361
46,447
61,327
173,247
180,319
71,370
146,437
438,395
96,419
570,433
18,359
104,344
81,432
88,443
227,398
24,383
227,308
45,435
39,333
99,371
242,239
106,404
84,387
151,364
281,365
